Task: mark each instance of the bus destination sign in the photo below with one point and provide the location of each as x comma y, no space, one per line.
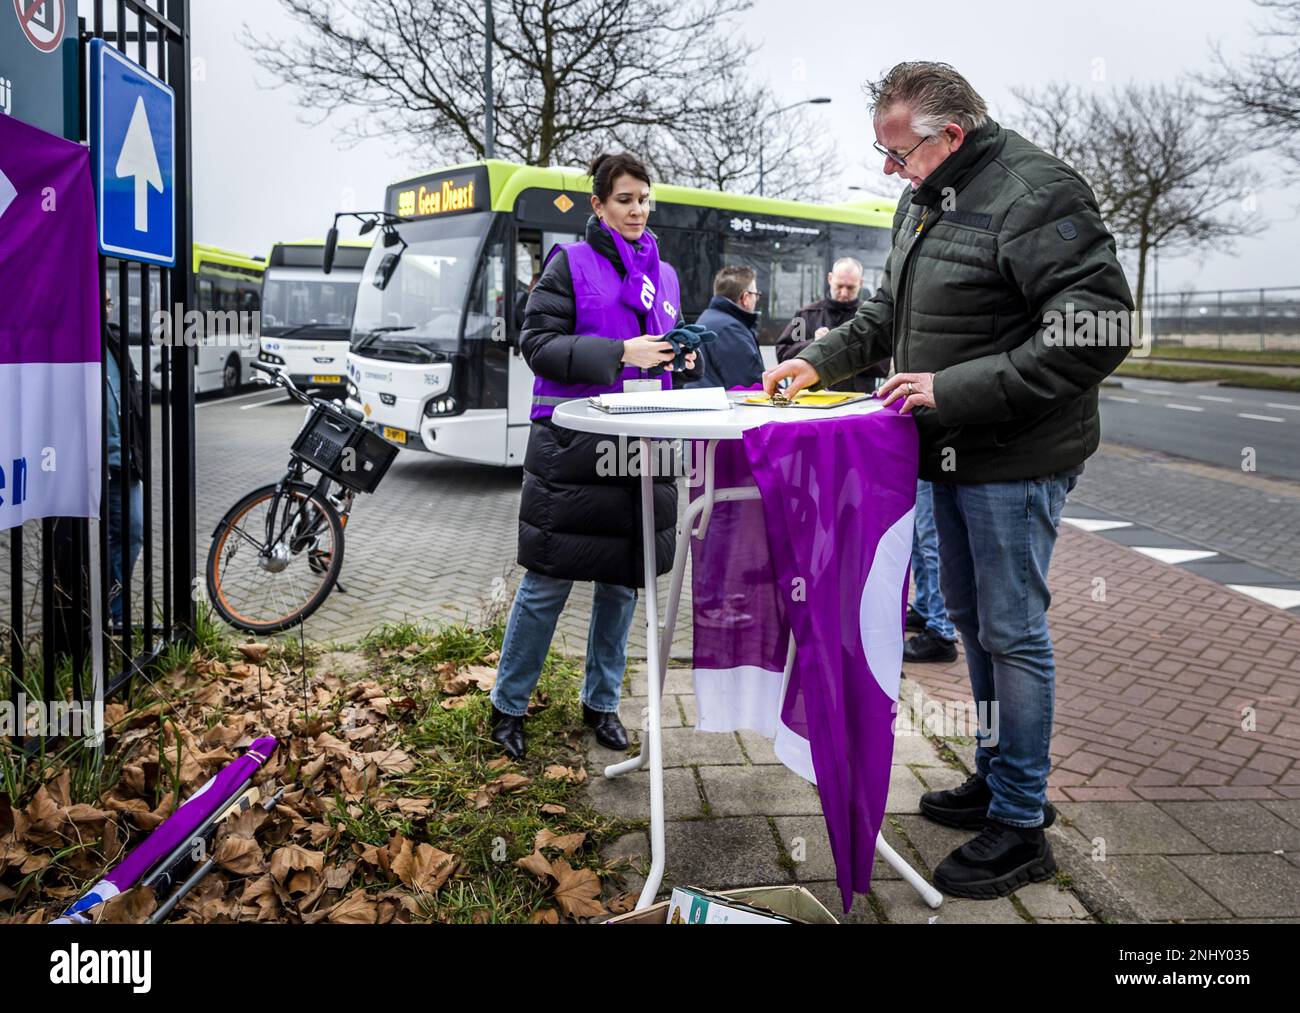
435,196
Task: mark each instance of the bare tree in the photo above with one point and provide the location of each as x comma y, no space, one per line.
1262,90
1164,172
717,145
571,76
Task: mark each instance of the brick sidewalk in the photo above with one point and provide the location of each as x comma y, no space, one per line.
1174,806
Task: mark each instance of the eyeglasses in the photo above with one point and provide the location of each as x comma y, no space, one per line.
900,159
754,293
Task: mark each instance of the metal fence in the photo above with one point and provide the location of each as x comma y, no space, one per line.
1243,319
45,648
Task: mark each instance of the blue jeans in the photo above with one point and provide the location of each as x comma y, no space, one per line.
928,598
537,607
135,538
997,544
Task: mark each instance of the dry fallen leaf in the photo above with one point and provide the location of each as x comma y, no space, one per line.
554,810
240,855
535,863
569,843
256,653
355,909
546,916
293,858
577,891
425,869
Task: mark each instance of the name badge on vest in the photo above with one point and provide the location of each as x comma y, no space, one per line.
641,386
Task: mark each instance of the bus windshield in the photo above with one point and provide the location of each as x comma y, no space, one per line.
290,301
417,316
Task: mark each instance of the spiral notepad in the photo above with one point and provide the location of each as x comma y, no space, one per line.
703,400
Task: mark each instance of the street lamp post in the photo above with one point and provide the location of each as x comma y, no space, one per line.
489,126
763,122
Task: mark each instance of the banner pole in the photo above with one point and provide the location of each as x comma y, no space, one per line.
96,741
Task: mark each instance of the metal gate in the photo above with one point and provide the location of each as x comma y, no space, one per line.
49,637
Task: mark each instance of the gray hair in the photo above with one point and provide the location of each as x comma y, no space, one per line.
852,262
934,92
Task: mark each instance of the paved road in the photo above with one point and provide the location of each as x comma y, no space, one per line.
1206,423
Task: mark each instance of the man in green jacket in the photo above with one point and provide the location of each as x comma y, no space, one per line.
1004,307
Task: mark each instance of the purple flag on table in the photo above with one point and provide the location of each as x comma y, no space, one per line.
824,554
50,370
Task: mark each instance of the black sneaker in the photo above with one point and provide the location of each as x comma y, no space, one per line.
925,646
998,862
967,807
915,621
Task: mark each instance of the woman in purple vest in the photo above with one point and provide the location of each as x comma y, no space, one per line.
592,326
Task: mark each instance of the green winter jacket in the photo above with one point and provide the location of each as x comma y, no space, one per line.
1001,277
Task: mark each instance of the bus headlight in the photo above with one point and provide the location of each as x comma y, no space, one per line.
353,393
269,359
440,406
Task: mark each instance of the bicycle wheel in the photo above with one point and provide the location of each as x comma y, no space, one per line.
274,558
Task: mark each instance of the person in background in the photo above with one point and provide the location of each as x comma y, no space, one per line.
129,472
817,319
936,637
594,324
732,359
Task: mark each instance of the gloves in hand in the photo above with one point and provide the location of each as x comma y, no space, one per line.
687,338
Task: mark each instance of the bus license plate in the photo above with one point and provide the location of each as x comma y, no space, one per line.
395,435
327,379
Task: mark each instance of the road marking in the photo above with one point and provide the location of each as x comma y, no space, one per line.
1175,556
231,400
1259,418
1092,524
1185,407
1284,407
1126,400
1220,400
1278,597
260,404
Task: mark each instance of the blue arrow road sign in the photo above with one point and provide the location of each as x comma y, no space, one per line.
133,148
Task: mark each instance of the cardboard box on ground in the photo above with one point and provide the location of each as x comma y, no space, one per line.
769,905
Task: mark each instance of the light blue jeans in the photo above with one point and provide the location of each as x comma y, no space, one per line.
997,543
134,539
928,599
537,607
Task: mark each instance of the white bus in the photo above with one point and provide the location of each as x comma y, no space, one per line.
225,282
435,364
307,315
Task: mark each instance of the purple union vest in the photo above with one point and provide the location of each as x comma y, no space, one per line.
596,289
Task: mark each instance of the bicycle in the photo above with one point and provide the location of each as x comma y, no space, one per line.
276,555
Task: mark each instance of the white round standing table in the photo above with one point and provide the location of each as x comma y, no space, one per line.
710,426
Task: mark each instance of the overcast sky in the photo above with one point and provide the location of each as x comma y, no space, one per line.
262,175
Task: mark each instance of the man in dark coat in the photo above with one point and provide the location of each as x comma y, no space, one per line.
819,318
732,359
995,244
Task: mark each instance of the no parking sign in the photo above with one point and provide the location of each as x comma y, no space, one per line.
43,22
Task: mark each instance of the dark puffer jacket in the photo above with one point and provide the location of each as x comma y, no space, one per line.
576,522
1002,241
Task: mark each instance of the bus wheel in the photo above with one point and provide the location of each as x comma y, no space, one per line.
230,375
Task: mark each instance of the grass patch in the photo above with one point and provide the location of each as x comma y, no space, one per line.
1246,356
1208,374
453,792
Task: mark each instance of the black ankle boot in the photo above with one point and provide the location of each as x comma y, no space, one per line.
609,730
508,733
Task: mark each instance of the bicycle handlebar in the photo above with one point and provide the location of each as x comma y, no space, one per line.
279,378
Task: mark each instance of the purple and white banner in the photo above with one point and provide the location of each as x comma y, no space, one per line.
824,553
50,371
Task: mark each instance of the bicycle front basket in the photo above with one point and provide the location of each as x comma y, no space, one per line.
345,450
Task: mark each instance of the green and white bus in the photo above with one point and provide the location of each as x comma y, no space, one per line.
435,364
225,283
307,315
